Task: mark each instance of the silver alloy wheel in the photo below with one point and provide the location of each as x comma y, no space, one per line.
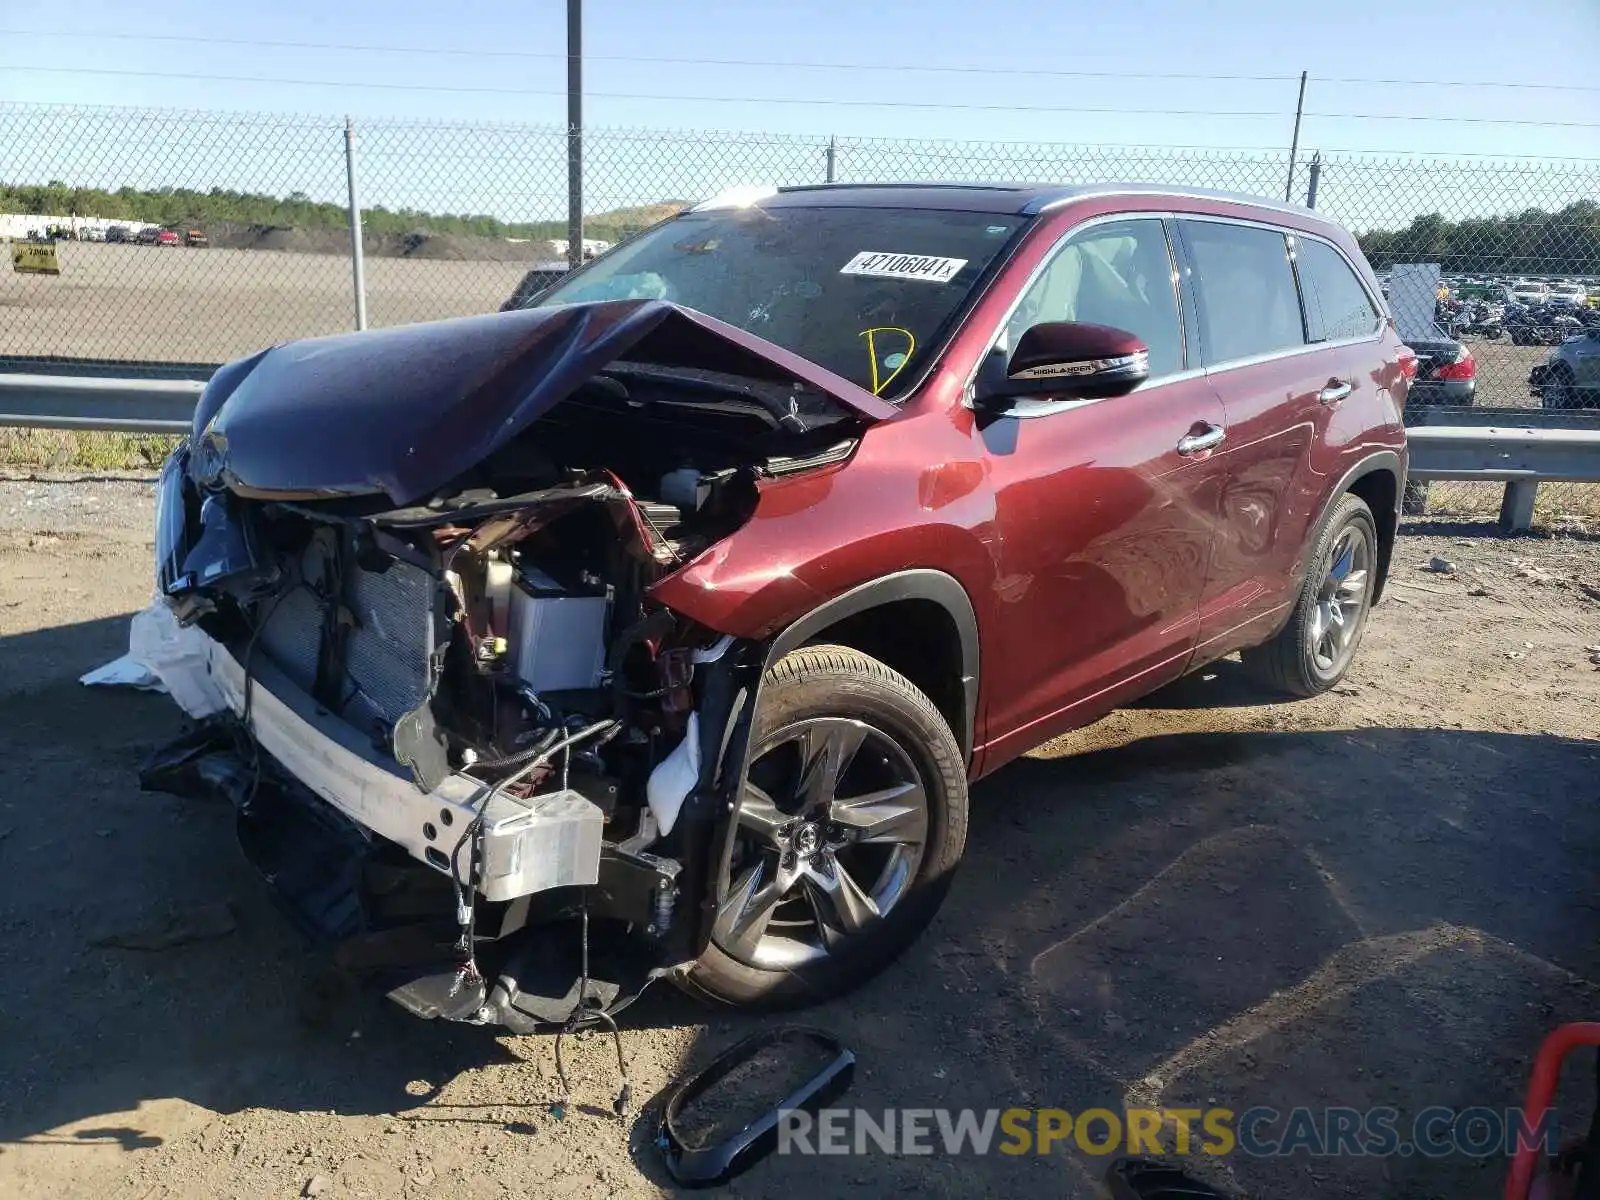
832,828
1341,603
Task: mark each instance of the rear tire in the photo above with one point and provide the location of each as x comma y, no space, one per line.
1314,650
819,941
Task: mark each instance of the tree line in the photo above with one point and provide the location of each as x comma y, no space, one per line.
184,207
1531,242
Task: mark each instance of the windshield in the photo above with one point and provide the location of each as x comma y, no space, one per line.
868,293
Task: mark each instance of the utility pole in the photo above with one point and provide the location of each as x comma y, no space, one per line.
1316,178
358,275
574,134
832,158
1294,142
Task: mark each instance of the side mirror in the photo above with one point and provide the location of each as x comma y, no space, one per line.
1071,360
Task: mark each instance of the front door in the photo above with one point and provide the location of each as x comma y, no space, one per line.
1103,522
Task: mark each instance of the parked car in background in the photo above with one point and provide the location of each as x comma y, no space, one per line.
534,284
196,238
167,237
117,233
1527,292
1570,377
689,600
147,235
1447,374
1568,295
92,233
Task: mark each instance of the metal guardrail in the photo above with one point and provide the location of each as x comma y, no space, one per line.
1522,458
1521,447
82,402
104,368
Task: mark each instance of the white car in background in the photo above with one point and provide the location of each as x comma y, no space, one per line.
1568,295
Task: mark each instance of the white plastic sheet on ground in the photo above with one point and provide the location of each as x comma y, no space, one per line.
164,656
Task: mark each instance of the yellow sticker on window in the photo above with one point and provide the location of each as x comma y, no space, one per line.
889,347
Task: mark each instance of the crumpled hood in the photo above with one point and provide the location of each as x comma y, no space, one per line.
403,411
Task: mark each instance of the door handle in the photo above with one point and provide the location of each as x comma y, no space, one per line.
1213,436
1336,391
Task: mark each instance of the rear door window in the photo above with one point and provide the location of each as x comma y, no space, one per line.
1337,306
1244,287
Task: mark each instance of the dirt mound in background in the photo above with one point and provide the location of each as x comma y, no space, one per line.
444,247
457,247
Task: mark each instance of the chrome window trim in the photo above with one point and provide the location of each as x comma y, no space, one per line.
1051,407
1260,202
1028,408
1166,193
1291,234
1234,364
1375,301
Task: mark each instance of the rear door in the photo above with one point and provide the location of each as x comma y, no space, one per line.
1282,380
1104,524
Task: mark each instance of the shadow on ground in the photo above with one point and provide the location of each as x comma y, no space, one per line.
1373,916
1479,530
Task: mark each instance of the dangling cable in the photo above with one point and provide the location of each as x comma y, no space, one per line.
466,909
579,1017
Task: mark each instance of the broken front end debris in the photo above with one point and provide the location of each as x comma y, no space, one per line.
465,744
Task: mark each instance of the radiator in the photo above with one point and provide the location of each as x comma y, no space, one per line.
387,649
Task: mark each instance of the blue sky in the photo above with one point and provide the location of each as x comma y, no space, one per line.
1530,41
1096,66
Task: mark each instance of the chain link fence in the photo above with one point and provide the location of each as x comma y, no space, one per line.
197,237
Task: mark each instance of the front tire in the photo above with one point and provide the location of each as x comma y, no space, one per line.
1314,650
851,824
1560,389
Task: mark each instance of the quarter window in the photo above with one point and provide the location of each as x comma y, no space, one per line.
1337,306
1118,274
1245,289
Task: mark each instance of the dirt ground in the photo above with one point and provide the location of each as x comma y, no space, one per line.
1382,896
183,305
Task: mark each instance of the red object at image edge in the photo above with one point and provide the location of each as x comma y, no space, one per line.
1541,1090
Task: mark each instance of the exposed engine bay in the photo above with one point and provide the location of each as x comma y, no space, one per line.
469,704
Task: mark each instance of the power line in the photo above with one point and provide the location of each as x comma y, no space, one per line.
1455,120
505,91
1109,110
449,51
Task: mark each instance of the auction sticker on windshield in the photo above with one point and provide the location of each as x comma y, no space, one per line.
885,265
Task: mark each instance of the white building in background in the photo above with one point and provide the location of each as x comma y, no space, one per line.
19,225
592,247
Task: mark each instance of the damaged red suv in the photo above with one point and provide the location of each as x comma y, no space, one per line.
658,630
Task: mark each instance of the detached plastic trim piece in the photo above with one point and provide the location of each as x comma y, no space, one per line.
705,1166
